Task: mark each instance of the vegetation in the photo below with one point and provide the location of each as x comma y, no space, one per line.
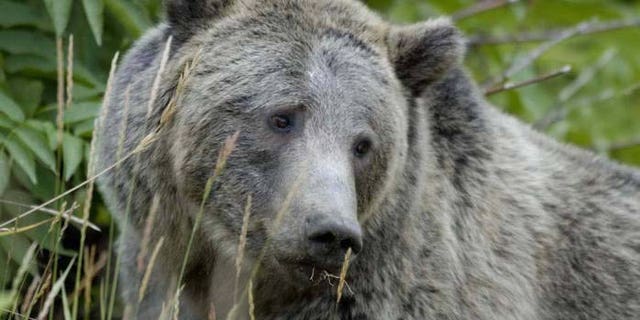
570,68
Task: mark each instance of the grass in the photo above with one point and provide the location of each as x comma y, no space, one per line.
46,294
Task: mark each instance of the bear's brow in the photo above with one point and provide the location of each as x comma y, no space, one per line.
351,38
252,102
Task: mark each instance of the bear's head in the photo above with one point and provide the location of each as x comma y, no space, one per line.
319,91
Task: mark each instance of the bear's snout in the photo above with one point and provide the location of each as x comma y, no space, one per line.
329,238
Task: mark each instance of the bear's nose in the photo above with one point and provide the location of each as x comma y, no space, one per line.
329,240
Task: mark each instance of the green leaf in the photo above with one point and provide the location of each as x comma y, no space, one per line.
82,92
45,239
27,42
65,305
94,9
5,171
52,135
23,157
46,128
6,123
41,191
72,154
46,67
59,10
81,111
129,15
6,300
8,269
28,93
38,145
84,129
14,14
10,108
16,248
3,77
32,65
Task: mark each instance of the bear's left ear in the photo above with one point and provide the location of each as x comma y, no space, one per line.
186,17
422,53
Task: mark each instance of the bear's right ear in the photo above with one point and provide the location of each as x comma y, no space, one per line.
186,17
422,53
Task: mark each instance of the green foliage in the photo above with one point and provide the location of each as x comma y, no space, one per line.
602,112
34,165
94,10
10,108
59,11
595,106
29,30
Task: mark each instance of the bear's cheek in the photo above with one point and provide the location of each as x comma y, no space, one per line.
368,184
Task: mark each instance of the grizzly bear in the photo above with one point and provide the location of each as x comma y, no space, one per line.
328,134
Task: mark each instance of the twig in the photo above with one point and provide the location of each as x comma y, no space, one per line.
149,269
252,305
91,268
66,214
22,270
54,291
343,275
282,211
623,145
511,86
326,276
525,61
96,266
223,156
123,123
41,289
70,73
156,82
84,183
586,76
608,94
591,28
146,233
480,7
241,246
559,111
31,291
15,314
86,209
16,230
631,89
60,91
212,312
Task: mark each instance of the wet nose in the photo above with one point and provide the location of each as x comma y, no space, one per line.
330,240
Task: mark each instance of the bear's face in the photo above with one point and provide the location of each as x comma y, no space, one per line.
321,118
321,114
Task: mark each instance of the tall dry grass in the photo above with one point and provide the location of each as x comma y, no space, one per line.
47,291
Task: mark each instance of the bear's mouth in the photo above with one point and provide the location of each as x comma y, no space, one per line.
312,271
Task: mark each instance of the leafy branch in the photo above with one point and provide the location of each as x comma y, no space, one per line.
480,7
588,28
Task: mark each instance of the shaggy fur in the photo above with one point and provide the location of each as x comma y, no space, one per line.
466,213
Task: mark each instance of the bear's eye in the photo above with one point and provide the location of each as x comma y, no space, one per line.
281,122
362,148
